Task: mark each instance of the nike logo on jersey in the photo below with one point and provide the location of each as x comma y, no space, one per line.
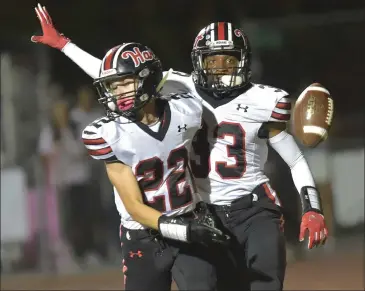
240,107
180,128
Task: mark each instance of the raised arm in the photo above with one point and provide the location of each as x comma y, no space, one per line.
53,38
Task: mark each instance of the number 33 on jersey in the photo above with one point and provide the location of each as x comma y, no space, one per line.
159,157
230,150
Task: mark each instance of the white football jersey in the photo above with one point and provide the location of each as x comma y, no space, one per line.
159,159
230,150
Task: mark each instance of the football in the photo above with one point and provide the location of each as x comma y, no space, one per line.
312,115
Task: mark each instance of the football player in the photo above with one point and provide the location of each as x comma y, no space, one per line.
145,141
240,118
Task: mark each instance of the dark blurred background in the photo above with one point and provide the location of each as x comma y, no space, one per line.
293,39
46,100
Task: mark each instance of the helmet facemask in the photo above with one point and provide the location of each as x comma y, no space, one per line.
220,71
221,40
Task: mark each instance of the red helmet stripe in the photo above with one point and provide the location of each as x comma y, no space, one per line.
109,58
221,33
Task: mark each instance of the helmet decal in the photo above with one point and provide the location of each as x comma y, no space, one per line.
237,32
137,56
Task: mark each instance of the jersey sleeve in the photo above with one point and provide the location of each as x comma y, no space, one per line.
84,60
96,144
282,109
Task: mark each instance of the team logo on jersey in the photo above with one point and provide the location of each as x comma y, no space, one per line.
137,56
180,128
240,107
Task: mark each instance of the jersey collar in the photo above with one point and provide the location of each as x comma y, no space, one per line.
165,118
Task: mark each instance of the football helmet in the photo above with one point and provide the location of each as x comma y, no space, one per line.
134,61
221,39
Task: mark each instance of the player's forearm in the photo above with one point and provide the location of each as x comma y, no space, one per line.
144,214
304,182
285,145
301,174
84,60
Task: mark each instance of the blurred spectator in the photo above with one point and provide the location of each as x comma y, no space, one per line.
66,162
85,110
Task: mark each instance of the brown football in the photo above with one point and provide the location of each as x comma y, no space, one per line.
312,115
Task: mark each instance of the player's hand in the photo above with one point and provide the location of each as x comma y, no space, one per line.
203,233
51,36
205,222
190,230
316,226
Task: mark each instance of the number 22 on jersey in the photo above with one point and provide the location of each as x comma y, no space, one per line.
235,150
152,173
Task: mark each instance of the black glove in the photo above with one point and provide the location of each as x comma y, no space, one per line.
200,229
203,214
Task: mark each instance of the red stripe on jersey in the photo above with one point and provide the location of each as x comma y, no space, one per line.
100,152
109,58
94,141
268,192
283,105
280,116
221,34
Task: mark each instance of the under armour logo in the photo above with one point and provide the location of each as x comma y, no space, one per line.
244,108
180,128
139,254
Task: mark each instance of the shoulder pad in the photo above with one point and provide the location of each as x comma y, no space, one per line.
279,101
186,103
271,91
178,82
177,96
98,137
